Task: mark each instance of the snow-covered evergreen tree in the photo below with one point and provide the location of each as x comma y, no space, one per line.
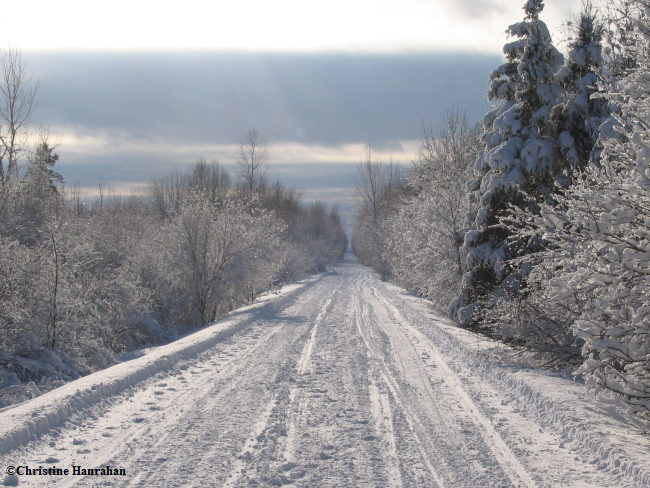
528,316
40,191
517,163
578,116
594,276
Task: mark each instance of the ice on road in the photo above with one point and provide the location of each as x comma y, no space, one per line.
345,381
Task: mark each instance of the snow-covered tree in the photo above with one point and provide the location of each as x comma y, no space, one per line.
40,191
19,278
593,274
425,235
527,315
222,256
621,36
578,116
610,214
211,180
517,163
167,193
379,190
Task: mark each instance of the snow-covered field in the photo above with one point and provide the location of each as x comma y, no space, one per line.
341,380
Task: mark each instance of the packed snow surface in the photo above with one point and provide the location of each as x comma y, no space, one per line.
341,380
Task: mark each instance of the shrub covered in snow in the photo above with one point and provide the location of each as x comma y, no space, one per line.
425,234
600,237
79,283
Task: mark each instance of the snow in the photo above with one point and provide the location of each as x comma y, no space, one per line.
27,421
537,155
509,122
341,380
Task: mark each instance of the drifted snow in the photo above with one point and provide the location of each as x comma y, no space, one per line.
342,380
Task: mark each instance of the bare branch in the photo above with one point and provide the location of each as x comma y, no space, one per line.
253,156
17,98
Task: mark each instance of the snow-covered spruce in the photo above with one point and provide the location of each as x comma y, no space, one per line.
517,163
580,112
592,277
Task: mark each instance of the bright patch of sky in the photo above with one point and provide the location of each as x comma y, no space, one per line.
262,25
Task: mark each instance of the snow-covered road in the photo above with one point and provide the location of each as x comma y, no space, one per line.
341,380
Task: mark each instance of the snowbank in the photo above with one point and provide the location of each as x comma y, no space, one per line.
26,421
601,430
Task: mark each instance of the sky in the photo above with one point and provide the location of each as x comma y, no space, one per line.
135,89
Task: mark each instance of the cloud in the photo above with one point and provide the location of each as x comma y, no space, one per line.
216,97
125,117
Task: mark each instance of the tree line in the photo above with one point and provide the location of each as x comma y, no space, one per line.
81,281
533,226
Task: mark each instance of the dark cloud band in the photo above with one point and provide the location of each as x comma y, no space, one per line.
215,97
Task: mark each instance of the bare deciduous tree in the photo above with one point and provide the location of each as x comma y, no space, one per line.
168,192
17,97
253,155
378,184
379,189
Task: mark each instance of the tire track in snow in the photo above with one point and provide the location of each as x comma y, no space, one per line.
383,415
361,317
305,356
250,445
213,368
327,412
516,472
303,364
226,370
280,405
